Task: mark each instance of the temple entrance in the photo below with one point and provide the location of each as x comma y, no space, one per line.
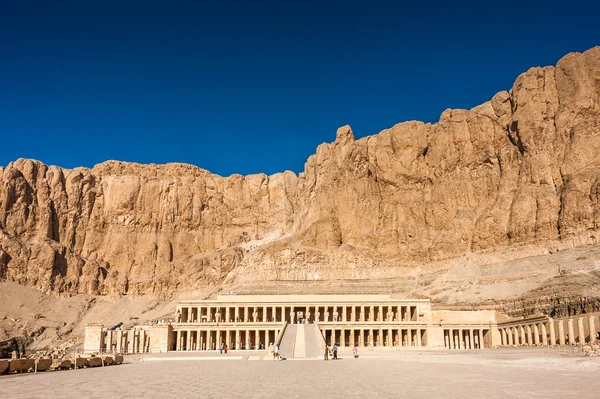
300,314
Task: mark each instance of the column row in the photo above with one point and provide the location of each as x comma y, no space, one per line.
466,338
295,314
126,341
375,337
552,332
197,340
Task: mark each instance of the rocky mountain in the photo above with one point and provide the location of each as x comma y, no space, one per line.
520,170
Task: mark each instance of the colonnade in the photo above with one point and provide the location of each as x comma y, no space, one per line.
375,337
465,338
565,331
126,341
311,312
212,339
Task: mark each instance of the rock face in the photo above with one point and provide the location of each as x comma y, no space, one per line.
523,168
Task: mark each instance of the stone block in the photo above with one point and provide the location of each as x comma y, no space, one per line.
95,362
118,359
4,366
16,366
44,364
81,362
108,360
65,364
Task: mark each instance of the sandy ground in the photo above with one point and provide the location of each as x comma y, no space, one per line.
510,373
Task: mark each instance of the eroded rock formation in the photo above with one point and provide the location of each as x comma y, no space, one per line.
520,169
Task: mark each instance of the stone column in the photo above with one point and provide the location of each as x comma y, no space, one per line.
419,343
529,339
188,346
510,334
390,340
343,336
571,331
581,330
256,339
362,313
503,335
227,315
544,340
523,337
245,314
189,315
237,314
178,343
142,341
552,331
536,335
446,340
380,315
274,313
471,341
371,337
264,314
516,332
353,313
361,338
409,337
592,326
455,339
481,344
561,332
247,339
352,338
371,313
238,343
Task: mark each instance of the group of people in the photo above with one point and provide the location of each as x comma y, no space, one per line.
223,348
334,352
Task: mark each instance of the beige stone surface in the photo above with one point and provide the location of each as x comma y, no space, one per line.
461,374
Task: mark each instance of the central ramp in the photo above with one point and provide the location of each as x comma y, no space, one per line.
302,341
288,341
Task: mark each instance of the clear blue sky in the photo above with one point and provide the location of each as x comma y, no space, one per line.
247,87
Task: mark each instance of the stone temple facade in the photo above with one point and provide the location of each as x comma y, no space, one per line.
377,322
253,322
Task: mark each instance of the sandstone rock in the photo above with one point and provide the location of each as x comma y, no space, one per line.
520,169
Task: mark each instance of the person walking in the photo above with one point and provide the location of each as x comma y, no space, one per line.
225,348
221,349
355,351
335,349
276,352
326,354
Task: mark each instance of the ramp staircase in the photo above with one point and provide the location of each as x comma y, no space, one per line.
302,341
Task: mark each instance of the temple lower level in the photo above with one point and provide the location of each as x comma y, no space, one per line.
249,322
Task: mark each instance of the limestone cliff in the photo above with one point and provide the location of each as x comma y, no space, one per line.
520,169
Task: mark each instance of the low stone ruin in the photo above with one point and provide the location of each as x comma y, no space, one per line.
68,362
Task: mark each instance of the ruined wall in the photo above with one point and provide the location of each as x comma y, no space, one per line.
522,168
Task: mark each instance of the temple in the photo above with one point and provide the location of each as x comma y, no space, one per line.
252,322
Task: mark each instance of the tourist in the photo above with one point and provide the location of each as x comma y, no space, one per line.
270,349
276,352
221,349
335,349
326,354
355,351
225,348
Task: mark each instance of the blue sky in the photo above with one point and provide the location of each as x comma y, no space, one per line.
248,87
